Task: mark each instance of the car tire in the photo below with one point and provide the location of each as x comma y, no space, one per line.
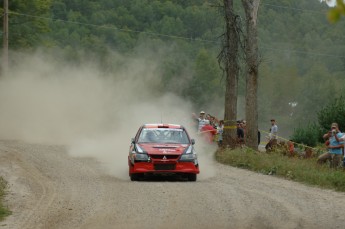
192,177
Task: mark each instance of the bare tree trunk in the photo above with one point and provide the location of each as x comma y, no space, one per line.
251,52
232,71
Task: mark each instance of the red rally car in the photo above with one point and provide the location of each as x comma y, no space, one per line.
162,149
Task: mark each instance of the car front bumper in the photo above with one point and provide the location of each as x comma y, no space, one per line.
149,167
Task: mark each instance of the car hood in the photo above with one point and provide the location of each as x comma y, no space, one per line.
173,149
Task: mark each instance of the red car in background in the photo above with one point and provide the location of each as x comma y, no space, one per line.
162,149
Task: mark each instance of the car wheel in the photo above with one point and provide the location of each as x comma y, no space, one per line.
192,177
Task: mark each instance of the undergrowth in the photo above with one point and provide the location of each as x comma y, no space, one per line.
3,211
294,168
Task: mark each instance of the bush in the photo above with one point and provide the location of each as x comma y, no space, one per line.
334,112
309,135
3,211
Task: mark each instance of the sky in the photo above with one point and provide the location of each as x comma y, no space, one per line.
329,2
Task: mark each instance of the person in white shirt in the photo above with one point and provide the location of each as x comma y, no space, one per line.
272,137
274,129
202,121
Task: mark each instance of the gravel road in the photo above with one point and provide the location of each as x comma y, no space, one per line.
50,189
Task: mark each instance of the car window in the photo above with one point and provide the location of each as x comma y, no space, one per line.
163,135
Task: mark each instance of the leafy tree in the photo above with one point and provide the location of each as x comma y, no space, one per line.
333,112
308,135
25,30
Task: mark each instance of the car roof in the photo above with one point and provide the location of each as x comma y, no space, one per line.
168,126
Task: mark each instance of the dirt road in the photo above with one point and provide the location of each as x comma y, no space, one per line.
50,189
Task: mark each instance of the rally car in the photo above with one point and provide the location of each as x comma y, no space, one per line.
162,149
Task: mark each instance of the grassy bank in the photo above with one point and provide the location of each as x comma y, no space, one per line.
306,171
3,211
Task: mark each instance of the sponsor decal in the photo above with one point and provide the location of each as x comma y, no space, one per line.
167,150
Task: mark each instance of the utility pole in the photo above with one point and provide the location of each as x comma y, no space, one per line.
5,40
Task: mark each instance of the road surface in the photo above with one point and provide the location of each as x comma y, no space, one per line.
48,188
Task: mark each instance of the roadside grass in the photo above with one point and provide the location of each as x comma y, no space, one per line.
3,211
305,171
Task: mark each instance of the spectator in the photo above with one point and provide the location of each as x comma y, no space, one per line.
259,137
334,154
343,153
213,121
208,132
244,127
272,138
201,120
274,129
220,129
240,133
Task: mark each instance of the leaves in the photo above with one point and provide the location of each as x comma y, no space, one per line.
334,14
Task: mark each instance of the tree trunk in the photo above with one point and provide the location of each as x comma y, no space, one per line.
232,71
251,53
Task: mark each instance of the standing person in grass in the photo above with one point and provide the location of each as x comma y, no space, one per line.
220,130
272,138
335,147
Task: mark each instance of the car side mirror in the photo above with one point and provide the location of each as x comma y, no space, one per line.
193,141
133,141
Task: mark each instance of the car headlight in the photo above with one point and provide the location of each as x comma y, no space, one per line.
139,149
189,155
139,155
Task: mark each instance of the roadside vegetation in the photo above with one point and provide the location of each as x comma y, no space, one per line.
311,133
3,210
298,169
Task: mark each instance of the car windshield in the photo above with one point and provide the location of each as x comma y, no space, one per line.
163,135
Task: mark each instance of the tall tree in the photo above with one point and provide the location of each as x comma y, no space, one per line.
229,56
251,54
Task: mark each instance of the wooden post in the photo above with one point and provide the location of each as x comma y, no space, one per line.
5,40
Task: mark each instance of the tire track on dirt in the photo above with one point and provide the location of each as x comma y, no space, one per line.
50,189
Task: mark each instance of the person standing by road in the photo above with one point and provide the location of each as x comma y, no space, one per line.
272,138
240,134
335,152
274,129
202,121
220,130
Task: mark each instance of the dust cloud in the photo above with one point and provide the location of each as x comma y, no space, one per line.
95,114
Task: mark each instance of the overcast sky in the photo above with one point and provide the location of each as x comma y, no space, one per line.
329,2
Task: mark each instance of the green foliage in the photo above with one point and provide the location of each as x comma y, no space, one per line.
333,112
309,135
299,49
335,13
205,84
26,31
302,170
3,211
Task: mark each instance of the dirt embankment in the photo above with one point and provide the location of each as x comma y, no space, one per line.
50,189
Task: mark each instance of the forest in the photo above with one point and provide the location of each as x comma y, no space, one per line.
302,60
